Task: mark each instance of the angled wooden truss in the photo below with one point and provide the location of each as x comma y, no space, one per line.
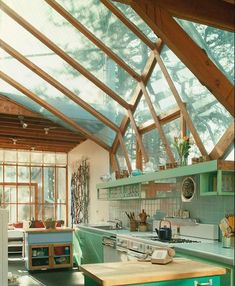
158,14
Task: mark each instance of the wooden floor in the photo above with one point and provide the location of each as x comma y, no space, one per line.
58,277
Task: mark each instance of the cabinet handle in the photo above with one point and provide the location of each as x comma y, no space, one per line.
210,282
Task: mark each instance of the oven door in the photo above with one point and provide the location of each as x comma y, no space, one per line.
129,255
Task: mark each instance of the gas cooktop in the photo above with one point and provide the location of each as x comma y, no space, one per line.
175,240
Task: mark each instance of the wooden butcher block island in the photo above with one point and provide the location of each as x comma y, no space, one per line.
180,272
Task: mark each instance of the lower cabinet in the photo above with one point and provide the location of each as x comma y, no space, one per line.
50,256
200,281
91,246
226,280
48,249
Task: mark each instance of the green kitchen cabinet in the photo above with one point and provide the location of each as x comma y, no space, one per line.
226,280
209,280
91,246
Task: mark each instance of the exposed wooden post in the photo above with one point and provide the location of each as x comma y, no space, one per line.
139,160
157,123
183,125
125,153
138,137
114,163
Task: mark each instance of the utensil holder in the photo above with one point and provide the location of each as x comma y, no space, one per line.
228,242
133,225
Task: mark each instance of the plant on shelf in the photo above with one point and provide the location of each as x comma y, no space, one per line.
182,145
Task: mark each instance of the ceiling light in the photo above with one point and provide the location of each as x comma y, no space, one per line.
14,141
21,118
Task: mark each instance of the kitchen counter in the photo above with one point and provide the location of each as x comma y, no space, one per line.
212,251
135,272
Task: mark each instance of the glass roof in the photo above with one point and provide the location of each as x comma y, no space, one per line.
13,94
209,116
131,15
218,44
205,111
108,28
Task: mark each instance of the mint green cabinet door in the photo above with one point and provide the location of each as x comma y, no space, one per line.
91,246
226,280
215,281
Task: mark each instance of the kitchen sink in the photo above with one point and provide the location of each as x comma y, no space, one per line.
106,227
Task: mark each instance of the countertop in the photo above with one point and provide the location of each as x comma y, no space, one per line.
133,272
212,251
44,230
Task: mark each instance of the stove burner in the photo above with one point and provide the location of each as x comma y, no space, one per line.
175,240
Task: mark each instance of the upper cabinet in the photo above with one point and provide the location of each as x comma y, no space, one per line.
215,178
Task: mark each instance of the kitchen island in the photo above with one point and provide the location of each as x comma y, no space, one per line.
180,272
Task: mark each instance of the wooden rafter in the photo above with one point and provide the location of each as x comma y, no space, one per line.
53,110
9,107
163,119
93,38
224,143
181,105
139,161
136,97
124,151
189,52
57,84
215,13
63,55
128,23
114,163
138,137
157,123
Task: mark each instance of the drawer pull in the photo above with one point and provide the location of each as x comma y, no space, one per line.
210,282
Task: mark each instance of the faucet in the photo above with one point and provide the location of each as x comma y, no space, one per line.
118,223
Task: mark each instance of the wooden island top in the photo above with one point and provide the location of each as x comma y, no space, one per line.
44,230
135,272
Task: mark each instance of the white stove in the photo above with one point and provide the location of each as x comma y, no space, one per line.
145,243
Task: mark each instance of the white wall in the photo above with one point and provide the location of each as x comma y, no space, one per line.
98,159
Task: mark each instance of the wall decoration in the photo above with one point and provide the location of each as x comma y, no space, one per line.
80,192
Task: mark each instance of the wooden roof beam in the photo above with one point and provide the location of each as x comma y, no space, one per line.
215,13
188,52
34,68
128,23
224,144
53,110
151,62
36,33
124,151
181,105
138,137
157,123
163,119
93,38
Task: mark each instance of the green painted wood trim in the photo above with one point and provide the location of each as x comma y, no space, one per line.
204,167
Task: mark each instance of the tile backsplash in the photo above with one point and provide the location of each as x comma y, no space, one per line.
208,209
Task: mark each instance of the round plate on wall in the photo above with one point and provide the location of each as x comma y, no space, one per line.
188,189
